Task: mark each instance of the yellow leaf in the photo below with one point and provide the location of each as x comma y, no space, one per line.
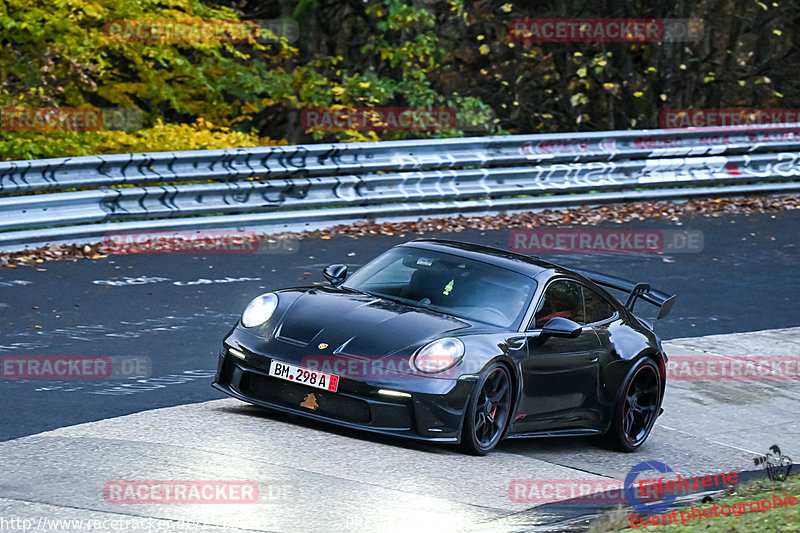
338,91
638,94
506,8
484,49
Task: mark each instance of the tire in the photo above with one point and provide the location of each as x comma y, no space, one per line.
488,411
637,408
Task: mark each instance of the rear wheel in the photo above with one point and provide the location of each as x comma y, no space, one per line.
636,412
488,411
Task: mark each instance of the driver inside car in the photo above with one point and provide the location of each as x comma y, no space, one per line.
560,300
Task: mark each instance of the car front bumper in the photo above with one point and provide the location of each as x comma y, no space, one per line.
432,409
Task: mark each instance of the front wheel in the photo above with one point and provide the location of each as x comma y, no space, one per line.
636,412
488,411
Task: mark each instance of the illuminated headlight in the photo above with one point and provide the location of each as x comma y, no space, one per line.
438,355
259,310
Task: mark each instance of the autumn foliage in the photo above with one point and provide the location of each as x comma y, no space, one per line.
238,87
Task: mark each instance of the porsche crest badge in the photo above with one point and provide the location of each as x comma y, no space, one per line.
310,401
322,346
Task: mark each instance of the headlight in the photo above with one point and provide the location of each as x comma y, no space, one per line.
438,355
259,310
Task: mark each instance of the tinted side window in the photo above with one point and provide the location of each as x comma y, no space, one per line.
561,298
597,307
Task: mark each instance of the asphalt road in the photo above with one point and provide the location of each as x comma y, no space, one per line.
173,310
168,313
314,477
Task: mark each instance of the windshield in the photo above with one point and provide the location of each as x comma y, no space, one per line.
443,282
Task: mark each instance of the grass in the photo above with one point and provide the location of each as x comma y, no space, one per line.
784,519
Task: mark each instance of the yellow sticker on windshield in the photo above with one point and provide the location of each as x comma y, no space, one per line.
448,288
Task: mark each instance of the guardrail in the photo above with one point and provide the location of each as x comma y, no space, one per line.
286,188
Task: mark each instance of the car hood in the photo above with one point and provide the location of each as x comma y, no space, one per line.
357,324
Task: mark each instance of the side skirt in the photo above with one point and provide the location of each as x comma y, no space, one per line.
560,433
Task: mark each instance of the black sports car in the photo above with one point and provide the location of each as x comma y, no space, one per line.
454,342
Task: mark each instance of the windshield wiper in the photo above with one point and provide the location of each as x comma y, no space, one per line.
410,303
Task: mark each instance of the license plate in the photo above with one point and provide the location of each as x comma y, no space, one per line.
312,378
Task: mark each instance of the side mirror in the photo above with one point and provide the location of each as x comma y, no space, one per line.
561,327
336,274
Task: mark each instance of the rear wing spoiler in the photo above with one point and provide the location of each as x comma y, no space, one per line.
635,291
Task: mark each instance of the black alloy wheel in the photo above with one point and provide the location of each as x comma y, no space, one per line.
488,411
635,416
